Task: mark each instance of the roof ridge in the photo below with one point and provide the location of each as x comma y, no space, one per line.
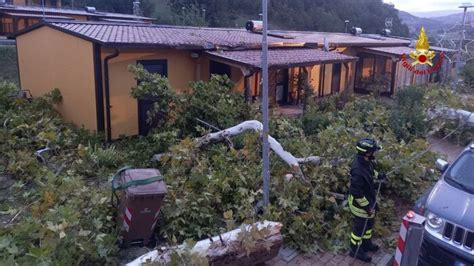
142,25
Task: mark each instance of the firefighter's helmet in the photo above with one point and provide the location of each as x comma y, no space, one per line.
366,145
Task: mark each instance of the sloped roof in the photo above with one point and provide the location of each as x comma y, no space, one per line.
400,50
397,51
65,11
29,15
149,35
133,35
281,57
343,39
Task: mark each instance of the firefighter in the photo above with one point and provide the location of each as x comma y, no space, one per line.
362,201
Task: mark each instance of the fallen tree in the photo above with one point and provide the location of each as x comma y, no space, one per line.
254,126
247,245
452,114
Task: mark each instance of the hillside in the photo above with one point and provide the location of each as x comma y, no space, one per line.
432,14
314,15
437,25
414,23
453,19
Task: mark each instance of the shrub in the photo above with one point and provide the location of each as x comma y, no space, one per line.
408,119
213,102
7,94
468,73
156,88
314,121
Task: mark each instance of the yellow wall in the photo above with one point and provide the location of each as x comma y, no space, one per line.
51,59
315,79
19,2
237,77
21,24
124,111
327,90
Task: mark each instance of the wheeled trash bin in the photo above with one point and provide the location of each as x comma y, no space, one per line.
143,191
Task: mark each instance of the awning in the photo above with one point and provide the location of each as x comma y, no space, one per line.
280,58
29,15
400,50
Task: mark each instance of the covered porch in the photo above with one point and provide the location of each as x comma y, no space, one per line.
294,73
381,69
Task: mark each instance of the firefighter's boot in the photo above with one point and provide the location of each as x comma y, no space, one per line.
369,246
361,254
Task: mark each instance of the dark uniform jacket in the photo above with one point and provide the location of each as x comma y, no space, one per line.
362,181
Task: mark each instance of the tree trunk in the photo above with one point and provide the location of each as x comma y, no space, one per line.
227,249
453,114
256,126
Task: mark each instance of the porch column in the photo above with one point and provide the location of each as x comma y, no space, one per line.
247,74
306,84
272,82
394,75
15,24
347,81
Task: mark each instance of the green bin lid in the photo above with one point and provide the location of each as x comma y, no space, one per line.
157,188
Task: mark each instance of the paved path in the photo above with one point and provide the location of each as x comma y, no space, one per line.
445,148
380,258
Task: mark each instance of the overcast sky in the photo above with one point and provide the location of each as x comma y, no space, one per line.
427,5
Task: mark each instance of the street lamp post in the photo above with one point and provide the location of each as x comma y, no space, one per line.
464,6
266,146
182,13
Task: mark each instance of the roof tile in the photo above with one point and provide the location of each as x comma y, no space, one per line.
286,57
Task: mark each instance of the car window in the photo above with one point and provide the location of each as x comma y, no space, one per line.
463,170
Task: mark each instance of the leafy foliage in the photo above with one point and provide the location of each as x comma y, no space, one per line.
408,120
213,102
156,88
468,73
61,217
8,64
312,218
62,204
7,92
443,96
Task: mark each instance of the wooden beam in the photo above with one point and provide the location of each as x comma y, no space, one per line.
394,75
247,74
347,81
306,71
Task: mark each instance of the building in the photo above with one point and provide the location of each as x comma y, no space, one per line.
16,15
88,62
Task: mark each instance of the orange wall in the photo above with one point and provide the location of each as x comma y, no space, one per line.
19,2
237,78
124,111
51,59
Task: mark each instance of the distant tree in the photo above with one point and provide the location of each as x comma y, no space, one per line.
312,15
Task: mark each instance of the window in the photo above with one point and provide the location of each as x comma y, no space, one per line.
155,66
145,105
219,69
6,26
461,172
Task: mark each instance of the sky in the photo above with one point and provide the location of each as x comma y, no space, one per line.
427,5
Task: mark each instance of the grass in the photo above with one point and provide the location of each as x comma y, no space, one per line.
8,63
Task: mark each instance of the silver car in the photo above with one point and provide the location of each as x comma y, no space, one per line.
449,210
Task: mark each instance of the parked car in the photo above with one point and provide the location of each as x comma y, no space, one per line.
449,211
